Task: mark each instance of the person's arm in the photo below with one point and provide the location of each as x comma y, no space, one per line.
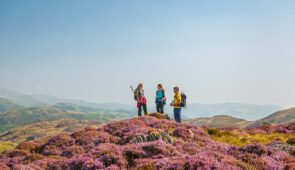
164,97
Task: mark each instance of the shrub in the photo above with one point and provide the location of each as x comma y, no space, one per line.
291,141
3,166
73,151
32,146
33,157
255,149
159,116
214,132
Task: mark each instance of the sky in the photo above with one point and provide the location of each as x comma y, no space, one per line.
215,51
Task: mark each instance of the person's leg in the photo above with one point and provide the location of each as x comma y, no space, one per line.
145,109
179,115
162,107
139,110
177,112
158,106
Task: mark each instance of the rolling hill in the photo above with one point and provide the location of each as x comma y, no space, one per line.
219,121
281,117
45,129
25,116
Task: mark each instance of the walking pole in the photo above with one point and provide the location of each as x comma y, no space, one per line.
131,87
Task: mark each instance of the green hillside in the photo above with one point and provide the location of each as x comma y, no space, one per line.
25,116
6,105
45,129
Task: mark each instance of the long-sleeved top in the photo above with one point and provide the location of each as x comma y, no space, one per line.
160,94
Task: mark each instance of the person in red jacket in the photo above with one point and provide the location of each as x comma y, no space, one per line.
141,100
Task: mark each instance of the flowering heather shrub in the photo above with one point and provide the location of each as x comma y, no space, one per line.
109,154
57,144
208,160
32,158
183,133
145,143
21,167
160,116
286,128
73,151
16,153
255,149
63,140
83,162
174,163
32,146
121,128
289,128
51,150
3,166
283,147
90,138
189,148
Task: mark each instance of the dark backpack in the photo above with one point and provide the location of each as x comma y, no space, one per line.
183,100
135,92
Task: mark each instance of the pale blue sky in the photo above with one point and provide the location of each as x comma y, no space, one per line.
216,51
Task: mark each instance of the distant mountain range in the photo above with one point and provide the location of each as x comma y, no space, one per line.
244,111
47,100
18,109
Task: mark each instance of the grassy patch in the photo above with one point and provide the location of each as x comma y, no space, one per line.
4,146
239,138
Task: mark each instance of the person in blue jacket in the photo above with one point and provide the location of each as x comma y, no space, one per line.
160,99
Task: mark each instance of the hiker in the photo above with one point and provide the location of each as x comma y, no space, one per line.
160,99
141,100
176,103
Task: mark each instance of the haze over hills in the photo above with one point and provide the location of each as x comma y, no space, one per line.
281,117
47,100
195,110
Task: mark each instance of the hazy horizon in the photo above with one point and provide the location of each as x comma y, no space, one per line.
215,51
